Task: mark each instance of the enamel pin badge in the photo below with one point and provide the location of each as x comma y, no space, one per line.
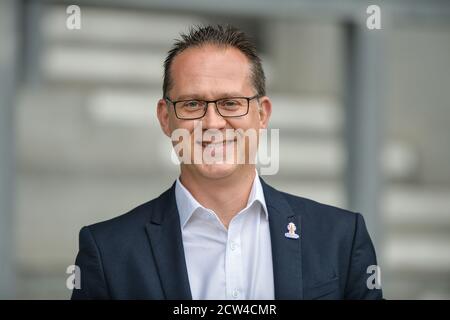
291,234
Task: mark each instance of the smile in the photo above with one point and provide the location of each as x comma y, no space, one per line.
211,144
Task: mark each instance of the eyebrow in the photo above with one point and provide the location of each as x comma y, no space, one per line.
200,97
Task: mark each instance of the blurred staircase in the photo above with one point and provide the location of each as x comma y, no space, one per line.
90,148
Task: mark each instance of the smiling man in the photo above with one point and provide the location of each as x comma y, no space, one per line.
220,232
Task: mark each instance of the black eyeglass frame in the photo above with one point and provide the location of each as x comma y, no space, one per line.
215,104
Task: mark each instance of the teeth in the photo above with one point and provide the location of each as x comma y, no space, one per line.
215,143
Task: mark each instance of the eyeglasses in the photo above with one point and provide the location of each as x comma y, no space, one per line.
227,107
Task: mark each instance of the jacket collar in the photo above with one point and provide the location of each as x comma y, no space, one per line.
164,234
165,238
286,252
187,204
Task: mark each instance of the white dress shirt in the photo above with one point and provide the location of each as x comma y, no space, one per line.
227,264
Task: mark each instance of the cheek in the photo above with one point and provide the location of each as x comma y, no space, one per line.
250,123
251,120
175,123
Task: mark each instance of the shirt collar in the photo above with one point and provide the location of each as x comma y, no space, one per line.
187,204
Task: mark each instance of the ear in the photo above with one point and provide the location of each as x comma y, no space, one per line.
265,110
162,112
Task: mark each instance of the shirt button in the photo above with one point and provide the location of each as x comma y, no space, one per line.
235,293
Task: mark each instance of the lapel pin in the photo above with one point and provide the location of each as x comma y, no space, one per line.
291,234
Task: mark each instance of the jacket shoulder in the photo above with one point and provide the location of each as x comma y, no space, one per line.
127,224
320,212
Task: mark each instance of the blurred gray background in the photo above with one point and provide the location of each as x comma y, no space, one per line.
364,119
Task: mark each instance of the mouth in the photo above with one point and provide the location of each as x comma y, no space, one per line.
216,149
211,144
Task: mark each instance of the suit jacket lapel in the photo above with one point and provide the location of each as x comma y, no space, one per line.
165,237
286,252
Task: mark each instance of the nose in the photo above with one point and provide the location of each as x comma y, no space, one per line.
212,119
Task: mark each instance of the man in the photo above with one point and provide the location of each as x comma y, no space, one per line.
220,232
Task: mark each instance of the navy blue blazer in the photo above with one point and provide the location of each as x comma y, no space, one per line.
140,255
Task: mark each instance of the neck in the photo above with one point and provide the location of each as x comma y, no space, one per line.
226,196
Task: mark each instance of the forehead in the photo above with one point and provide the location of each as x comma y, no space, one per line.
211,70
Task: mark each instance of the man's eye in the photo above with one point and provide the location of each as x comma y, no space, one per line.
191,104
229,103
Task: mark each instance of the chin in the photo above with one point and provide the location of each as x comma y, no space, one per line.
216,171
